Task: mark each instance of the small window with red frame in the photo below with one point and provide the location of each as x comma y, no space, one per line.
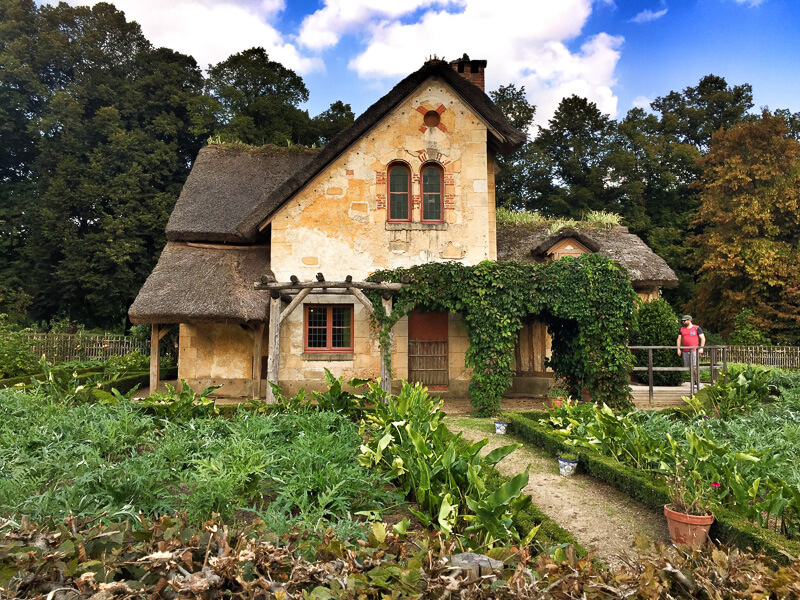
399,193
432,184
329,328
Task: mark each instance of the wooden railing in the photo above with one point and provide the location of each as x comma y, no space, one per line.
714,358
62,347
784,357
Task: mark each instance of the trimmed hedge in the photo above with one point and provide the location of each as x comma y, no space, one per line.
729,528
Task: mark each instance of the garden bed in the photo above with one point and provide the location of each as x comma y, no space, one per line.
728,528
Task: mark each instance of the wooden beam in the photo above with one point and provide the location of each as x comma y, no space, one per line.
155,375
363,299
258,346
386,373
362,285
273,360
297,301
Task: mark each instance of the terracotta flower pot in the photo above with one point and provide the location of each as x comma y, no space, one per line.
557,402
690,530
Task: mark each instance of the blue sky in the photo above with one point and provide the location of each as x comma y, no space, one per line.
617,53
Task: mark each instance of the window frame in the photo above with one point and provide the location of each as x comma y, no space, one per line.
409,195
437,167
329,348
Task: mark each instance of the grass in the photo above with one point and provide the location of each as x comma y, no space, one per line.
117,460
555,224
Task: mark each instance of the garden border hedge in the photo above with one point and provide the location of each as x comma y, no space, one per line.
729,528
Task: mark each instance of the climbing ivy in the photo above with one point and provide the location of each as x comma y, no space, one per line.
587,304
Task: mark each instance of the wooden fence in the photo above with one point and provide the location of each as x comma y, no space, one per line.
784,357
62,347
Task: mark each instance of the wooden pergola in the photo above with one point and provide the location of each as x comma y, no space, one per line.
292,293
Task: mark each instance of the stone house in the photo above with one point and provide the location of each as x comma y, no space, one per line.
410,182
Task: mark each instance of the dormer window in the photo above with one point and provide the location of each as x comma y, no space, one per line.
399,192
432,191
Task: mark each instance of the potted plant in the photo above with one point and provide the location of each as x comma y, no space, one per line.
567,463
558,393
500,427
689,515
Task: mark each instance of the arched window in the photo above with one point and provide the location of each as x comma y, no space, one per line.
399,193
432,191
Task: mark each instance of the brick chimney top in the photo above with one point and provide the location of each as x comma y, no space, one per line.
471,70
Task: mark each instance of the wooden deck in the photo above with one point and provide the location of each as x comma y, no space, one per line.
663,396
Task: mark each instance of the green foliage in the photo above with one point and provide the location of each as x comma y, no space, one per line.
745,333
123,457
181,405
748,255
658,326
444,475
641,485
744,392
590,329
726,460
16,357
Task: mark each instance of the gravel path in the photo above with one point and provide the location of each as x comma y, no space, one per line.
604,520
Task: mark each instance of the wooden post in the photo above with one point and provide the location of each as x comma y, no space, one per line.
386,373
273,361
258,345
650,374
156,333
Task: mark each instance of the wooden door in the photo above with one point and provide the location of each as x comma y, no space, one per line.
428,362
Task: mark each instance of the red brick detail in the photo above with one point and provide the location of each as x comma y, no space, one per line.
441,127
350,173
422,155
380,184
423,129
441,109
416,200
415,177
449,179
449,201
422,110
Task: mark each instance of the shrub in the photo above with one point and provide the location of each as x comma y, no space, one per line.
16,357
658,326
745,333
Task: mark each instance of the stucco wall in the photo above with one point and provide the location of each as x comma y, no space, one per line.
337,224
217,354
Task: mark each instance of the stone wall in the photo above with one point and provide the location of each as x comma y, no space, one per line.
338,223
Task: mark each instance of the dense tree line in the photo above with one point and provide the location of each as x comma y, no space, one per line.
708,185
99,130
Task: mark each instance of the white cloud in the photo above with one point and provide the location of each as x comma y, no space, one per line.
750,3
325,27
524,41
211,30
642,102
648,15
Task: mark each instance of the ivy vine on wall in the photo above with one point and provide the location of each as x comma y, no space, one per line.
586,302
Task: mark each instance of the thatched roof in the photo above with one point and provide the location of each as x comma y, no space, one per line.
503,137
529,243
227,183
201,284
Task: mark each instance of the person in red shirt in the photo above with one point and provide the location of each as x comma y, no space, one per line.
690,336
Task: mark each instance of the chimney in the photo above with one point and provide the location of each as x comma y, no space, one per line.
471,70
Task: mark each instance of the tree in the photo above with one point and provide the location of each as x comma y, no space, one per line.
257,100
657,325
748,255
695,114
327,124
112,133
518,184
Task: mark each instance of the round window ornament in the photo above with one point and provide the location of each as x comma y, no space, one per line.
431,119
